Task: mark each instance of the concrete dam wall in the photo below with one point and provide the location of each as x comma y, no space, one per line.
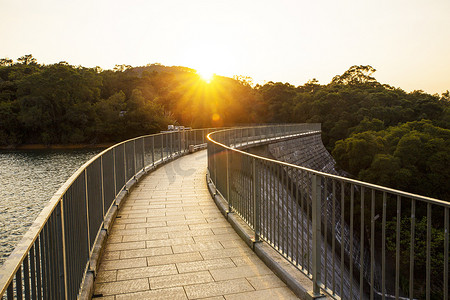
308,151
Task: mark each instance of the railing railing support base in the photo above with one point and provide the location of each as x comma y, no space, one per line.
311,295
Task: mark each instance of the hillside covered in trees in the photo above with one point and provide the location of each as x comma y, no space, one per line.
376,132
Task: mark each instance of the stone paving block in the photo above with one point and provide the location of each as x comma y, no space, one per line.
120,287
120,221
173,258
217,288
145,252
167,229
114,239
186,222
145,272
170,242
180,280
125,246
104,298
221,252
247,260
239,272
223,230
218,237
198,232
110,255
281,293
123,263
106,276
208,216
145,237
146,224
176,293
210,264
197,247
164,218
234,243
208,225
268,281
133,231
118,226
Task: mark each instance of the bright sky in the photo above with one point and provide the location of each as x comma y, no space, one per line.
407,41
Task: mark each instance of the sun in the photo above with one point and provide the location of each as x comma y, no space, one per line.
205,75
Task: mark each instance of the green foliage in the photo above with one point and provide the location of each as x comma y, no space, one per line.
420,254
376,132
413,156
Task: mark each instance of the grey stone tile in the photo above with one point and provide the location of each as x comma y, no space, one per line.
145,272
217,288
145,237
210,264
123,264
176,293
167,229
174,258
281,293
146,224
239,272
180,280
197,247
120,287
228,252
111,255
170,242
145,252
106,276
198,232
268,281
125,246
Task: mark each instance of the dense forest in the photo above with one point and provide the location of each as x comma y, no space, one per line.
376,132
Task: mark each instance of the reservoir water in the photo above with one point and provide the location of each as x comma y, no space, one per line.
28,179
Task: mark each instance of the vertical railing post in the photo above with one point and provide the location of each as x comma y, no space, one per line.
228,157
63,246
316,237
256,202
87,208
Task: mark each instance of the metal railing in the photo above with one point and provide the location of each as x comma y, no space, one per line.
55,254
353,239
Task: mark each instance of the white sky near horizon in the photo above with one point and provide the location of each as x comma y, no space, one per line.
408,42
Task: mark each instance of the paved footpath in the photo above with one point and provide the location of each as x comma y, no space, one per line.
170,241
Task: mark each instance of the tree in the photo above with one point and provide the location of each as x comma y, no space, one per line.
356,75
27,60
4,62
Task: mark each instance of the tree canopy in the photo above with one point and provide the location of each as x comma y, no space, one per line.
376,132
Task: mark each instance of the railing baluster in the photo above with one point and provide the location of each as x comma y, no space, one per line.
316,233
446,246
411,249
372,244
361,248
428,268
397,248
383,250
341,293
352,202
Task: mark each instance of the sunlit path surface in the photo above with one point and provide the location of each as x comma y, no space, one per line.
171,242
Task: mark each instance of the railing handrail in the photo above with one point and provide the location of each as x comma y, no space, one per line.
14,261
346,179
251,183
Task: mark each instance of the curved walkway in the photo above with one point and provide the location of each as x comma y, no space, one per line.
170,241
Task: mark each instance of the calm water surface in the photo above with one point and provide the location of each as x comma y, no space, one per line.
28,179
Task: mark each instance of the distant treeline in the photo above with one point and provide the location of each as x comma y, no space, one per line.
376,132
